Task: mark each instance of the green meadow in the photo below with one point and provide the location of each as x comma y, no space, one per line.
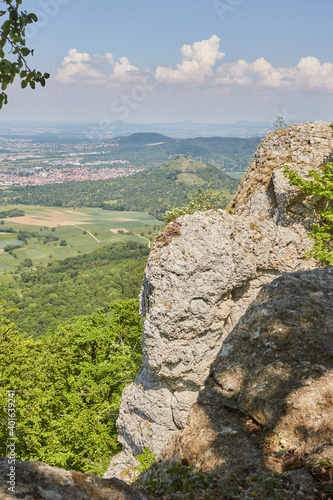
83,231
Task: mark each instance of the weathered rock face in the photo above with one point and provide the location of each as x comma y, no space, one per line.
32,480
271,385
202,274
265,189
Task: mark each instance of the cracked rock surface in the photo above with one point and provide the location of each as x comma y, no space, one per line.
203,273
271,385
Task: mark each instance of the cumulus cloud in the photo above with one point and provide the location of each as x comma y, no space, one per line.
314,74
309,74
123,69
260,73
79,68
197,63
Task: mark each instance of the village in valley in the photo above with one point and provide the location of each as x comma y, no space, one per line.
38,176
26,163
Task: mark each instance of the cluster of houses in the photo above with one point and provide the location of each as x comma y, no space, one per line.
38,176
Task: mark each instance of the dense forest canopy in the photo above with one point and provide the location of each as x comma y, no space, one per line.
68,387
49,295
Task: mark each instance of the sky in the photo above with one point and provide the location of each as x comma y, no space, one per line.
165,61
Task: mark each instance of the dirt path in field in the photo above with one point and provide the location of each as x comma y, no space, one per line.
88,233
144,239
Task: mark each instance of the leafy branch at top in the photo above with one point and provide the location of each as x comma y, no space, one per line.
13,44
322,233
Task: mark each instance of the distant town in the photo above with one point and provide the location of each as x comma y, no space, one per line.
38,176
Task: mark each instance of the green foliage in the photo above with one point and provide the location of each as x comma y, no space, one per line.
13,43
13,212
200,201
10,248
27,262
49,295
146,459
279,124
68,387
321,186
26,235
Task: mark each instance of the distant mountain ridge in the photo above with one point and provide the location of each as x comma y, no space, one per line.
150,149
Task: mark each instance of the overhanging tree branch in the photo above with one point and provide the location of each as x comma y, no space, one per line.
13,43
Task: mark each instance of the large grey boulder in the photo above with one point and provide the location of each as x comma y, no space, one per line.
267,404
202,274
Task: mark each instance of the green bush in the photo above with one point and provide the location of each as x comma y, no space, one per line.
10,248
322,233
200,201
146,459
279,124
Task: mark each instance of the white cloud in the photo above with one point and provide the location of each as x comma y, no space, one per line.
197,63
260,73
123,69
197,67
315,75
109,57
78,68
309,74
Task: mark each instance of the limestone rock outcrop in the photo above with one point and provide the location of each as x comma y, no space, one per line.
203,273
267,404
32,480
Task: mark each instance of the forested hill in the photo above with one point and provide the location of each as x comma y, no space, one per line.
144,139
153,191
152,149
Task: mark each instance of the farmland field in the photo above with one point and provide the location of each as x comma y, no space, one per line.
77,231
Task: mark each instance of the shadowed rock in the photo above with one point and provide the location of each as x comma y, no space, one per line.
270,387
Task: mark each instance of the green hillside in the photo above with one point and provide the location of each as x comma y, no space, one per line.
153,191
232,154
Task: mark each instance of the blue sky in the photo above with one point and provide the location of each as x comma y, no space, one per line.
213,61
